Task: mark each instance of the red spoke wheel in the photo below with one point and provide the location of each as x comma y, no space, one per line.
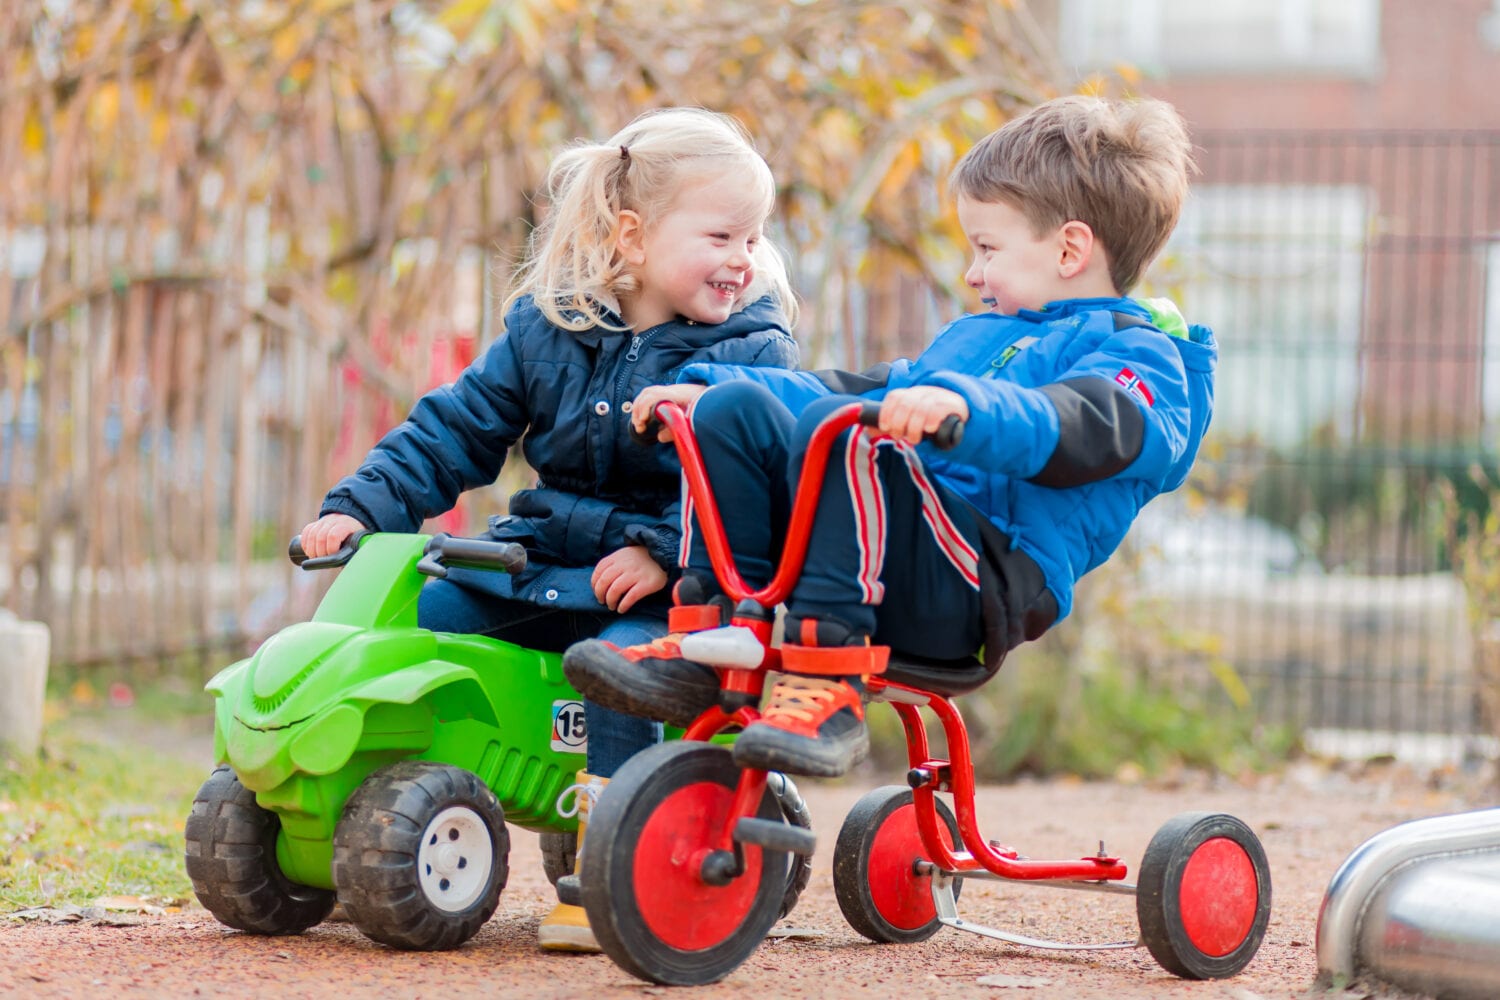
1204,895
874,867
641,869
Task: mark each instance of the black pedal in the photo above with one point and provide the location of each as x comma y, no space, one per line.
570,890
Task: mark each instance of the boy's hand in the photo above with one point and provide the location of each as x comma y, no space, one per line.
645,404
911,413
324,536
625,576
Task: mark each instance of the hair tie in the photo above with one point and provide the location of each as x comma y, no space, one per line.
624,152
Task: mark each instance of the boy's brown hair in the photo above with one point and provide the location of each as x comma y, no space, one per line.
1120,167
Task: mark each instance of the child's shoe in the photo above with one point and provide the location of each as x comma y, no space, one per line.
814,720
654,679
566,928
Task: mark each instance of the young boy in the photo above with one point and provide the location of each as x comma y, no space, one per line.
1078,409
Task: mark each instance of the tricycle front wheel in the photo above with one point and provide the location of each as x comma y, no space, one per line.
648,902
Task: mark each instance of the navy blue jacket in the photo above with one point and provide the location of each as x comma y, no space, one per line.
597,490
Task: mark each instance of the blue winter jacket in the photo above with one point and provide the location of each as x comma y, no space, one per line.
597,490
1078,414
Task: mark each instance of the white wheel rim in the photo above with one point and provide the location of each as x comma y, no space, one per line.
455,859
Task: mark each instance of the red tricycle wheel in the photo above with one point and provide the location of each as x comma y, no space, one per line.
874,875
1204,895
640,873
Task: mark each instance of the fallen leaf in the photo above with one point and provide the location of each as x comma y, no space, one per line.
1013,982
128,904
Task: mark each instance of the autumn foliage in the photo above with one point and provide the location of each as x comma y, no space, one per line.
237,239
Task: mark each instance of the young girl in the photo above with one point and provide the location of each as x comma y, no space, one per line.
651,257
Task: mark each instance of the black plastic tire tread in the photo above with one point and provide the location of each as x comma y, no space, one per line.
231,859
375,849
559,853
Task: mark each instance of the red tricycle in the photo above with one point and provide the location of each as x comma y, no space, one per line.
687,855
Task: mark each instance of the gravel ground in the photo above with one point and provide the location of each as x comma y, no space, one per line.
1309,819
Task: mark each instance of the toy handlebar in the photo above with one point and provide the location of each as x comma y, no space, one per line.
804,498
949,433
442,553
445,552
299,557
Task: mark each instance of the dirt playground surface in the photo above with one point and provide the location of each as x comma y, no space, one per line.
1309,818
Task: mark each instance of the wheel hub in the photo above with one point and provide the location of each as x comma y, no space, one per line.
455,859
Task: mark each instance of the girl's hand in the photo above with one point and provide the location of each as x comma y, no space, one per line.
645,404
324,536
911,413
625,576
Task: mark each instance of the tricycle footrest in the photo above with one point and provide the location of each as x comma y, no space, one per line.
774,835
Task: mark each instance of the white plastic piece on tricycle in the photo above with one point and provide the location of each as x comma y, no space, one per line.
730,646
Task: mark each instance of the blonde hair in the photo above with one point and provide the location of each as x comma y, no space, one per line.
574,271
1120,167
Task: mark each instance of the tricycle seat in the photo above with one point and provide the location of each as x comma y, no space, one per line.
944,677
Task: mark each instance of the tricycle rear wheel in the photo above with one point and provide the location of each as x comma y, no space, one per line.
875,878
231,858
1204,895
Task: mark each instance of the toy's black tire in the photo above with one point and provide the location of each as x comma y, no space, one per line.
794,810
231,859
649,909
1203,898
874,874
559,854
420,856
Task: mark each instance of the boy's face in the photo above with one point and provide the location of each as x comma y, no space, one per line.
1013,267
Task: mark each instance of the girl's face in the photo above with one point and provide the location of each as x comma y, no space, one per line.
697,259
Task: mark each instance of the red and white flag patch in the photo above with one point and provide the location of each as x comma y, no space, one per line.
1135,386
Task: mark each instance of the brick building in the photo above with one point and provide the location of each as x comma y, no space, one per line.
1345,231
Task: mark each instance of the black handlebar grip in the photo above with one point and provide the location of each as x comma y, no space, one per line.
480,553
652,433
298,555
949,433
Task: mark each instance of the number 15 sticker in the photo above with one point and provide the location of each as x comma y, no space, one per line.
569,733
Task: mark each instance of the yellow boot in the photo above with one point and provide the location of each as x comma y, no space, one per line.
566,928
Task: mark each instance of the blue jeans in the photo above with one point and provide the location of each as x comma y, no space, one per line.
613,736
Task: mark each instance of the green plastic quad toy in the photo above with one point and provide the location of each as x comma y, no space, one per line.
369,762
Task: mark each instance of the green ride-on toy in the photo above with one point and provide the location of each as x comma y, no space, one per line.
366,761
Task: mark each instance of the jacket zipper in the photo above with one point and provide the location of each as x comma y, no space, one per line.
638,343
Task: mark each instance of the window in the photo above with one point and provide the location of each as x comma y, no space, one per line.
1278,272
1194,37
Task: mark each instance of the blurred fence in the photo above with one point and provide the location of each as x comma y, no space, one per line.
162,437
1354,281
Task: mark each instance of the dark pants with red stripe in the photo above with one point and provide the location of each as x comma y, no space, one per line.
892,553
